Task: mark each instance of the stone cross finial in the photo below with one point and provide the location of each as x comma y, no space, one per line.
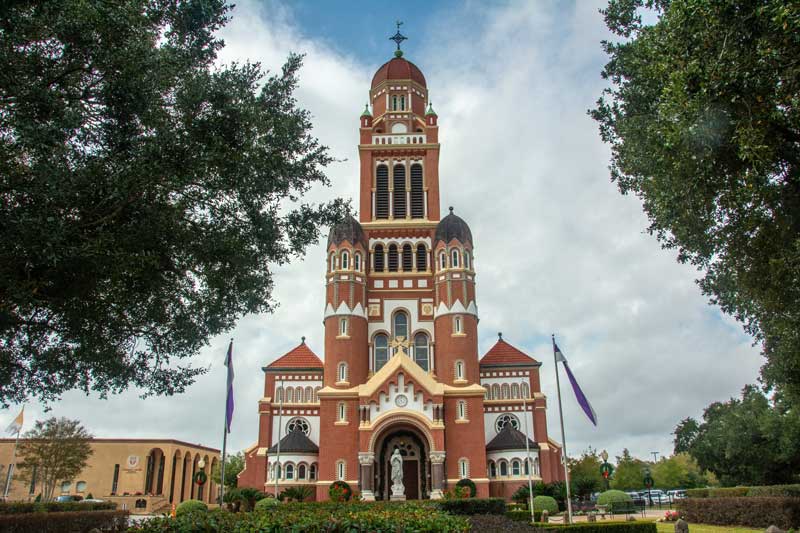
398,344
303,339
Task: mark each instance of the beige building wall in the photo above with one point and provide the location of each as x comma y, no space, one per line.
154,469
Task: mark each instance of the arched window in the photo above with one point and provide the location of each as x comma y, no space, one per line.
357,260
492,469
422,258
466,259
341,470
400,325
298,395
301,472
536,466
495,391
394,102
461,410
290,471
399,193
312,472
341,375
279,394
463,468
454,259
527,467
382,191
408,258
381,346
503,468
277,469
458,324
341,412
316,390
506,419
345,260
342,327
514,391
421,350
417,192
442,261
298,424
289,394
377,258
459,369
392,258
515,468
332,262
399,127
309,394
504,391
525,391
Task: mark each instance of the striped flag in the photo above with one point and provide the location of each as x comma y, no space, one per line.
16,425
579,395
229,399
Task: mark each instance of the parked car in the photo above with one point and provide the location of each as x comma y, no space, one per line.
656,496
677,494
93,500
69,498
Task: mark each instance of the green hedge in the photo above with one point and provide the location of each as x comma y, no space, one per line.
757,491
332,518
791,491
598,527
54,507
61,522
752,511
470,506
524,515
190,506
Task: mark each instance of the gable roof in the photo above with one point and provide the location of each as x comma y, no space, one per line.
295,442
503,354
509,439
299,357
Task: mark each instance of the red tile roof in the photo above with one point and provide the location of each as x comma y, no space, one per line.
503,353
299,357
398,69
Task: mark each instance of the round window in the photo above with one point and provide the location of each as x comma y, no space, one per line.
504,420
80,486
298,424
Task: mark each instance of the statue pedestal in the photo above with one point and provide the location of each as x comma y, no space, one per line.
368,496
436,494
398,497
398,492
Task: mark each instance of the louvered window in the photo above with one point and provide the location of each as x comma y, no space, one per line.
382,192
417,194
399,193
377,258
422,258
392,258
408,258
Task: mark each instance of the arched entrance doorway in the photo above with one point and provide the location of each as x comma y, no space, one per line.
414,448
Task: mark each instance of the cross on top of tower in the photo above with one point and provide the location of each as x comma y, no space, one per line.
398,38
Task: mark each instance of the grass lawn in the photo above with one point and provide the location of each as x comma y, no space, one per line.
669,527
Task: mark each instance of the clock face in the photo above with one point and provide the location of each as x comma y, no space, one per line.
401,400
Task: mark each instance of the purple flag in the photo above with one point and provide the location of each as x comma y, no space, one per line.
579,395
229,400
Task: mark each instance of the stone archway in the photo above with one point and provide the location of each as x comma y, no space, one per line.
416,467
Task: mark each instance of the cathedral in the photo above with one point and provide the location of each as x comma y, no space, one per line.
401,371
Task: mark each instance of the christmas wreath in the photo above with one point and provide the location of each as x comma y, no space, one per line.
200,478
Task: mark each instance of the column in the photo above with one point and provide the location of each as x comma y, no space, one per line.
437,475
366,463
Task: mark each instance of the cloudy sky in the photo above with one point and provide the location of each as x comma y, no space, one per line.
558,249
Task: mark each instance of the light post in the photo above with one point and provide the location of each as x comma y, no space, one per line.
605,468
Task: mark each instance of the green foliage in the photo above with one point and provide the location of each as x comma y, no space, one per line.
760,512
190,507
56,449
584,473
614,498
747,441
775,490
757,491
249,496
234,464
524,516
340,491
472,506
678,471
599,527
703,123
54,507
106,521
327,517
545,503
521,495
148,192
297,494
469,485
629,474
266,504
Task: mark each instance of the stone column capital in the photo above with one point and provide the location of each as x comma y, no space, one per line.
366,458
437,457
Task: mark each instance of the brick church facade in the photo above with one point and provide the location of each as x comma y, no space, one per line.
401,367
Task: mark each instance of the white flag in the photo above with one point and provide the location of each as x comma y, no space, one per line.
16,425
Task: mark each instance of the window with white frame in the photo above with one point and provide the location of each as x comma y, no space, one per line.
290,471
298,424
301,472
525,391
515,471
527,466
421,350
312,472
492,469
459,369
442,261
345,260
461,410
333,262
466,259
454,259
463,468
381,347
458,324
341,412
342,372
341,470
289,394
503,468
357,260
400,325
343,328
536,466
506,419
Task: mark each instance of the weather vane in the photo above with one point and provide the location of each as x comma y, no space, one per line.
398,37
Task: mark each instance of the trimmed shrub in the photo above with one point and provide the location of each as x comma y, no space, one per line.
470,506
59,522
753,511
545,503
469,485
790,491
54,507
615,501
340,491
524,515
267,504
697,493
599,527
190,506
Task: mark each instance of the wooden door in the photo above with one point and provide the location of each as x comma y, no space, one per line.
411,478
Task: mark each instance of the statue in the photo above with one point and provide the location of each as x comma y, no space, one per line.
398,490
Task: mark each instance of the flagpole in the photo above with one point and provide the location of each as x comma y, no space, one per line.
12,466
277,469
528,453
563,435
225,429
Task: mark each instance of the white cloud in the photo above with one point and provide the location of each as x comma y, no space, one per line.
558,249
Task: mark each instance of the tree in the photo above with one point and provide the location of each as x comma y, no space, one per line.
584,473
54,451
629,474
233,465
703,123
747,441
146,192
679,471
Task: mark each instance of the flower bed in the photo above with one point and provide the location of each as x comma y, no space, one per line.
311,518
